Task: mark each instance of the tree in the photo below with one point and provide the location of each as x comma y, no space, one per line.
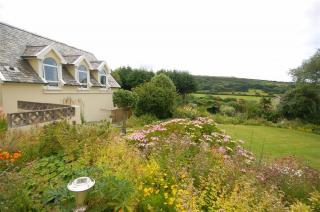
121,74
185,83
130,78
302,103
124,99
309,71
156,97
139,76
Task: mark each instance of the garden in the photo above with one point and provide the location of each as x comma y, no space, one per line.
173,165
172,154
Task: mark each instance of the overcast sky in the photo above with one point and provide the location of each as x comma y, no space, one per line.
259,39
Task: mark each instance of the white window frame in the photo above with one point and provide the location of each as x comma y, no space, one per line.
78,75
56,83
100,75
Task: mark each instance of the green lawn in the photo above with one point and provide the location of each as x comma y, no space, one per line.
276,142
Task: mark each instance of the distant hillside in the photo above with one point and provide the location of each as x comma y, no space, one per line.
213,84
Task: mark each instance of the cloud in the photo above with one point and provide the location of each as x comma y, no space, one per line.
248,38
314,15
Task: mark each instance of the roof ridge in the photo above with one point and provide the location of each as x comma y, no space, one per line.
9,25
69,55
35,45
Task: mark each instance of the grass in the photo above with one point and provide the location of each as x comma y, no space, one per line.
249,92
277,142
248,98
223,96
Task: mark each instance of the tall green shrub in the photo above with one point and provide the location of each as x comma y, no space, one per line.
302,103
185,82
156,97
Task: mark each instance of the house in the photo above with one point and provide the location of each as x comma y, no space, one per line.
38,73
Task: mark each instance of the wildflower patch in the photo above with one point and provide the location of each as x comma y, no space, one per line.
200,131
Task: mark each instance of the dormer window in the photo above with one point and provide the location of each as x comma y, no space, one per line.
102,77
82,75
50,71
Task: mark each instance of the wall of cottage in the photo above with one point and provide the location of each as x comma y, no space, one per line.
1,103
95,103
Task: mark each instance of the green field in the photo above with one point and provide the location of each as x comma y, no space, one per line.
248,98
222,96
277,142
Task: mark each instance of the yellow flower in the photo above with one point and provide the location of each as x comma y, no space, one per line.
171,201
174,191
165,195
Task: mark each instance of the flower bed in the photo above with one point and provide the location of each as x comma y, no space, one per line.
202,131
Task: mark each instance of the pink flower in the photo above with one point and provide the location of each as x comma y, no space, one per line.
222,150
226,138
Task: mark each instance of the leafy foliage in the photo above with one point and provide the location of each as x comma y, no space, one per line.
130,78
156,97
112,193
123,98
185,83
309,71
302,103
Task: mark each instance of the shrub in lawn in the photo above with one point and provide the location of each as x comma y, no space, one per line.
156,97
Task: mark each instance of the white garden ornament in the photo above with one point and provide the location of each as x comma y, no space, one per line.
80,186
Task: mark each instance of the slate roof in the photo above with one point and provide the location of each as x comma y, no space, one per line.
71,58
96,64
32,51
16,44
112,82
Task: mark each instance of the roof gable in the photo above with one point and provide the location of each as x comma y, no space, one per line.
17,44
41,51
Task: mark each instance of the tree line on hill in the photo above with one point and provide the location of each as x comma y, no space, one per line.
157,93
130,77
212,84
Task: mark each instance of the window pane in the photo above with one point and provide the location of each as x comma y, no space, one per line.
51,73
50,61
82,68
103,80
82,77
102,72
